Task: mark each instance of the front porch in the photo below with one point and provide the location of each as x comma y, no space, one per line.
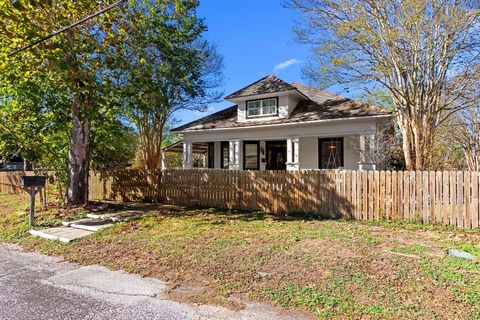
292,154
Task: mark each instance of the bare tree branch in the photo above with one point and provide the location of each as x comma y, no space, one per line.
412,48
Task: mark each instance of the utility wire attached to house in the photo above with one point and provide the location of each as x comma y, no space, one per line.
73,25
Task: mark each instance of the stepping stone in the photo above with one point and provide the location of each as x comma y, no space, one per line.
461,254
89,224
118,216
63,234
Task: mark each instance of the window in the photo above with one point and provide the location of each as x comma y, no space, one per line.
293,151
211,155
251,155
265,107
330,153
225,159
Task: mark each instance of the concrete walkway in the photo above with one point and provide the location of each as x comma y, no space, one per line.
34,286
73,230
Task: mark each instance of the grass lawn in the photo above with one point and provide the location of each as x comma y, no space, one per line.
330,269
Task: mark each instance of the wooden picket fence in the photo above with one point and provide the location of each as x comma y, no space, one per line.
448,197
10,181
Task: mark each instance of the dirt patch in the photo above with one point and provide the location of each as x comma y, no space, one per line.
189,293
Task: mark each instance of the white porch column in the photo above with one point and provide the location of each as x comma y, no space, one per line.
362,148
235,155
263,155
293,154
366,141
187,155
217,154
296,157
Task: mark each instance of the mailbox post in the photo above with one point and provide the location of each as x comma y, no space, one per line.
32,185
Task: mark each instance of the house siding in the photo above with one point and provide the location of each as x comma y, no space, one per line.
292,103
351,152
308,153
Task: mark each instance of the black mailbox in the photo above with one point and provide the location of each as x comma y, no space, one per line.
33,181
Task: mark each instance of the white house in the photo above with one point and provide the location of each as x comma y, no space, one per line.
275,125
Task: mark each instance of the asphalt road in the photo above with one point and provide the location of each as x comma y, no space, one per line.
34,286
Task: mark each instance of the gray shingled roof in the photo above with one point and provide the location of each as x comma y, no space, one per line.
322,105
268,84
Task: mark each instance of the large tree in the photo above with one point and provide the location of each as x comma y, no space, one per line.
411,48
35,124
162,66
71,63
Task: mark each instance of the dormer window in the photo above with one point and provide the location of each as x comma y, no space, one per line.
261,108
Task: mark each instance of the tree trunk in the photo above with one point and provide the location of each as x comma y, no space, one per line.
406,145
419,147
78,155
151,144
160,137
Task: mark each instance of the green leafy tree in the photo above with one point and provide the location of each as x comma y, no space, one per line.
162,66
145,59
114,143
35,125
71,63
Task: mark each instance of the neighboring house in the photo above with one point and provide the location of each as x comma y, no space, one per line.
14,164
275,125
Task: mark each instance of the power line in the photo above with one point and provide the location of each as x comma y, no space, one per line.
73,25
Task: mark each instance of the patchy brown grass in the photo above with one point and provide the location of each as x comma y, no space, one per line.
11,203
331,269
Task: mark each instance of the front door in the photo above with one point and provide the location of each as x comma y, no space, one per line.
276,155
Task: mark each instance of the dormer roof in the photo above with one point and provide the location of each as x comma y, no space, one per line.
268,84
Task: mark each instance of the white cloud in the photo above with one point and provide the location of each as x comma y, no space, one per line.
208,110
285,64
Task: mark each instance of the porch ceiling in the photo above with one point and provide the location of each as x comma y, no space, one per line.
178,147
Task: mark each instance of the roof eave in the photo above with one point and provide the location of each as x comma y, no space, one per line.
290,123
264,95
177,129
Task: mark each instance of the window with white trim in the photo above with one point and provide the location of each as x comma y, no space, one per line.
264,107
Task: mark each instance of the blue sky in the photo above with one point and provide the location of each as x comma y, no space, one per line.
255,38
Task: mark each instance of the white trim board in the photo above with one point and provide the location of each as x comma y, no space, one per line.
285,124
